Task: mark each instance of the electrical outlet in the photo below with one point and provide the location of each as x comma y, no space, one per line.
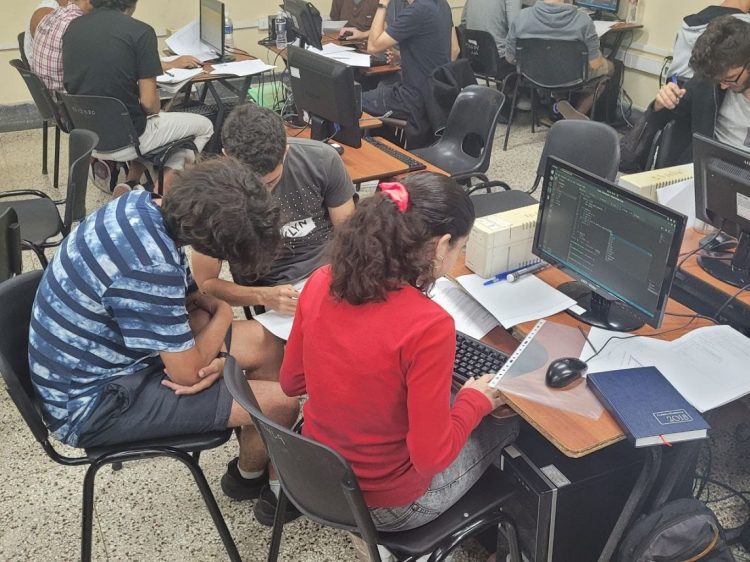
263,24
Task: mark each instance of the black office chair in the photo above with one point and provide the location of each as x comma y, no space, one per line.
50,111
465,148
109,118
480,49
671,146
10,245
323,487
22,49
38,214
16,299
552,65
590,145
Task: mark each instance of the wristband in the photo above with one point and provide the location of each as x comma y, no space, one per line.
381,5
222,355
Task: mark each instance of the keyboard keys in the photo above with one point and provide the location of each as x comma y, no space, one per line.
475,358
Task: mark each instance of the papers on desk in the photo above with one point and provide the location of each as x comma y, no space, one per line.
468,314
527,299
708,366
178,75
603,27
344,54
333,25
242,68
679,197
187,41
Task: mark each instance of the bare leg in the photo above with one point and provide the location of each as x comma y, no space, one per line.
585,104
135,170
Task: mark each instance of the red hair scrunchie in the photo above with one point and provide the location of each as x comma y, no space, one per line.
397,193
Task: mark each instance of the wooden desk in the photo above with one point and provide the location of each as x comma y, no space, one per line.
705,294
369,162
573,434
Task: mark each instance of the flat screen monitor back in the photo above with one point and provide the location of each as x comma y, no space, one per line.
610,6
325,89
304,22
212,25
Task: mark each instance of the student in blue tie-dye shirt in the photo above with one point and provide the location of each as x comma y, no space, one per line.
117,309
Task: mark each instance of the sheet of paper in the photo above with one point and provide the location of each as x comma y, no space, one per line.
527,299
178,75
169,58
187,41
680,197
333,25
280,325
618,353
603,27
344,54
468,314
242,68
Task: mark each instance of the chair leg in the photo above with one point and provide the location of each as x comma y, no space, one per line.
40,255
278,527
533,109
511,535
45,138
512,113
87,518
56,171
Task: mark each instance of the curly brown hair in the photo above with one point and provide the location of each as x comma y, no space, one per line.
379,248
222,210
724,45
255,136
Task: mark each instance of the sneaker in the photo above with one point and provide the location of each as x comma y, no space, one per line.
126,187
234,485
265,508
567,111
524,103
100,174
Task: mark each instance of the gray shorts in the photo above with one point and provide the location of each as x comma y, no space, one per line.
138,407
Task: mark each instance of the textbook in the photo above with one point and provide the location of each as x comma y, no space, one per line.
647,406
646,183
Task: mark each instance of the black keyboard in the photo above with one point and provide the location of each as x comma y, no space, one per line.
413,165
475,358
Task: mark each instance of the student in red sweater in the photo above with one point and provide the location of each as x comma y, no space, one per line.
375,356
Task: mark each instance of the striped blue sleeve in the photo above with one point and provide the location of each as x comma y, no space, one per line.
149,309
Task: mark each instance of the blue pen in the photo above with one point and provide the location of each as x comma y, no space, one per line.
502,276
674,81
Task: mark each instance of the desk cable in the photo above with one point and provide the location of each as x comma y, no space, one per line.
729,301
700,247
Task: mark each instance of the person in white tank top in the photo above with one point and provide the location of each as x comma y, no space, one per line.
28,47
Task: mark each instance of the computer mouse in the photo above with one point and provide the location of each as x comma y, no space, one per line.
337,147
346,34
562,372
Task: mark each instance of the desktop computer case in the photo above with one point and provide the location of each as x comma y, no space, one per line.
565,508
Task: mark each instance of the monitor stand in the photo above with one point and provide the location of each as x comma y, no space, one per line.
735,271
717,245
599,311
323,130
218,60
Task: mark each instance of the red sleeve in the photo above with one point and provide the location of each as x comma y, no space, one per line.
437,431
292,374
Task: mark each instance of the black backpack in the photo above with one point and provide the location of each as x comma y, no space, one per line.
679,531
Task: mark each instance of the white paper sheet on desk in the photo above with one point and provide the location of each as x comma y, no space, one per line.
280,325
679,197
603,27
468,314
178,75
527,299
617,353
242,68
347,55
333,25
187,41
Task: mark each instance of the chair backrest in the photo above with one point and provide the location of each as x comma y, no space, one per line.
673,145
552,63
590,145
10,245
81,144
316,478
22,48
16,299
480,48
43,99
472,122
107,117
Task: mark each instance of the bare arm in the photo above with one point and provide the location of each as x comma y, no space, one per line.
379,40
36,17
148,96
341,213
668,97
455,47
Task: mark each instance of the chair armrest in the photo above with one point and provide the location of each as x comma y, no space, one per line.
32,192
488,185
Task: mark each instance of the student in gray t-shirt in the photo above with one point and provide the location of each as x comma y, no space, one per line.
311,185
559,19
494,17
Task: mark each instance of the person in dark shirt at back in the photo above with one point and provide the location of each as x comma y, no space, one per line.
423,30
109,53
358,15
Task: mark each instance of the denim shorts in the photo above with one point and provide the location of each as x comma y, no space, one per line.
482,449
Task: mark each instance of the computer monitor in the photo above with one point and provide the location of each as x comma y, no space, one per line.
212,27
621,248
608,6
304,22
722,198
325,89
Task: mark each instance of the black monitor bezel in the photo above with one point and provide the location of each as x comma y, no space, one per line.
588,5
200,27
674,251
312,36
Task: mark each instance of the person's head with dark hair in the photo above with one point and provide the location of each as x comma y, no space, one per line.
126,6
223,210
408,233
722,53
256,137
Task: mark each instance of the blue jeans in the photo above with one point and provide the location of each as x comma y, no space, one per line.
481,449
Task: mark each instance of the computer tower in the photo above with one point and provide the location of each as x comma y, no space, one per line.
565,508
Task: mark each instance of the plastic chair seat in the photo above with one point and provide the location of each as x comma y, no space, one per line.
190,443
487,496
447,158
39,219
187,142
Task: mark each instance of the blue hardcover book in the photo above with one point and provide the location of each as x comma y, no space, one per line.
647,406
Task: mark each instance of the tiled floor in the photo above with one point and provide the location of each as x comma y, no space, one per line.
151,510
